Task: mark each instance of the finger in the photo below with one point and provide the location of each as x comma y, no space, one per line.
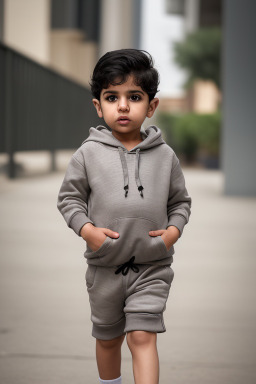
156,233
110,233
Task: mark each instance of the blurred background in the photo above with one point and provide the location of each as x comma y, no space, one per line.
204,57
205,53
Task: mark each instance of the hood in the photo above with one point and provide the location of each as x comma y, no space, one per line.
151,136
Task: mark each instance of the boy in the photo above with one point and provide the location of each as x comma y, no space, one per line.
124,193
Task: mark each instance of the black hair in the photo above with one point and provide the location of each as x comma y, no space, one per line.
115,66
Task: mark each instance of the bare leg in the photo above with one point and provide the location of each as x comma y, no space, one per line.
145,359
108,355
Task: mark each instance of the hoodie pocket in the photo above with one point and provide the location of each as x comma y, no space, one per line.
133,240
159,239
102,250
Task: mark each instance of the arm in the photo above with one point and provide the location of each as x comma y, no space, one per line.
178,207
72,204
179,202
73,196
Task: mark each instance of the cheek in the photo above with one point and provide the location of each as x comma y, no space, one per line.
106,114
143,112
109,110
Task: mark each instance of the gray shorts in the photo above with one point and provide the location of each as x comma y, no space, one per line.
122,303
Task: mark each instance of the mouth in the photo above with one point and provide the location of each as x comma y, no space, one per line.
123,120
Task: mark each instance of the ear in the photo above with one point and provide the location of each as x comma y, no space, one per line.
152,107
97,105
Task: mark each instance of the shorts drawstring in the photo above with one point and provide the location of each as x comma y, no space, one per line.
124,268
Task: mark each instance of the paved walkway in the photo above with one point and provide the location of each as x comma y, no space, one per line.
45,327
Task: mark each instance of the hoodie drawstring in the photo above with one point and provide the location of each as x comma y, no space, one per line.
125,171
124,268
137,176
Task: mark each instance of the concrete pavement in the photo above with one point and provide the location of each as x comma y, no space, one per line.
45,327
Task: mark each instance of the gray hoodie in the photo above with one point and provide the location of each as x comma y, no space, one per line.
130,192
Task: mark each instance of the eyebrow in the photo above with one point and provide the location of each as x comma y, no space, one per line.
131,91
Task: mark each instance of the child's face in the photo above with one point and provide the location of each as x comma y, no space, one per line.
124,107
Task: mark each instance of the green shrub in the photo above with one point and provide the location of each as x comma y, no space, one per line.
200,55
191,134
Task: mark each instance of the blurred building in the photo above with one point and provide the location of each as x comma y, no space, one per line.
166,24
238,108
70,35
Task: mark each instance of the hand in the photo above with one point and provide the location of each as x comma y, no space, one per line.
95,236
169,235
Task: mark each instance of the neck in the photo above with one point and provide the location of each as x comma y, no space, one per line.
129,138
128,141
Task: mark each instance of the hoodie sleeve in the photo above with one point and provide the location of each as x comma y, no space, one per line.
179,202
73,196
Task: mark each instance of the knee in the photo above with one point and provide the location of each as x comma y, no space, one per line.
140,338
110,344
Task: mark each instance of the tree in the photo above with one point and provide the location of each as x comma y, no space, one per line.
200,55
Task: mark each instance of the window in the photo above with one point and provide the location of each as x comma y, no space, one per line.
175,7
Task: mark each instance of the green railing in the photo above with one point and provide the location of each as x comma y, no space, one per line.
39,108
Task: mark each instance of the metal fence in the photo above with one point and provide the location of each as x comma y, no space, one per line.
39,108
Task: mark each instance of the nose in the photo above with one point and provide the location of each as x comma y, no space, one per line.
123,104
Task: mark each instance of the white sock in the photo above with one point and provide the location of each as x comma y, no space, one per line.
114,381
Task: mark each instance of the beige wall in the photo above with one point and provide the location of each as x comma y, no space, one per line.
71,55
206,97
26,27
203,97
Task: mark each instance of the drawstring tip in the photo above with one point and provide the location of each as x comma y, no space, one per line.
126,190
140,190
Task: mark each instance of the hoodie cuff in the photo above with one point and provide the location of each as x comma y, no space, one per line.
78,221
178,221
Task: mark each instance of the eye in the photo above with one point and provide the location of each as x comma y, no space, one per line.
135,97
111,98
